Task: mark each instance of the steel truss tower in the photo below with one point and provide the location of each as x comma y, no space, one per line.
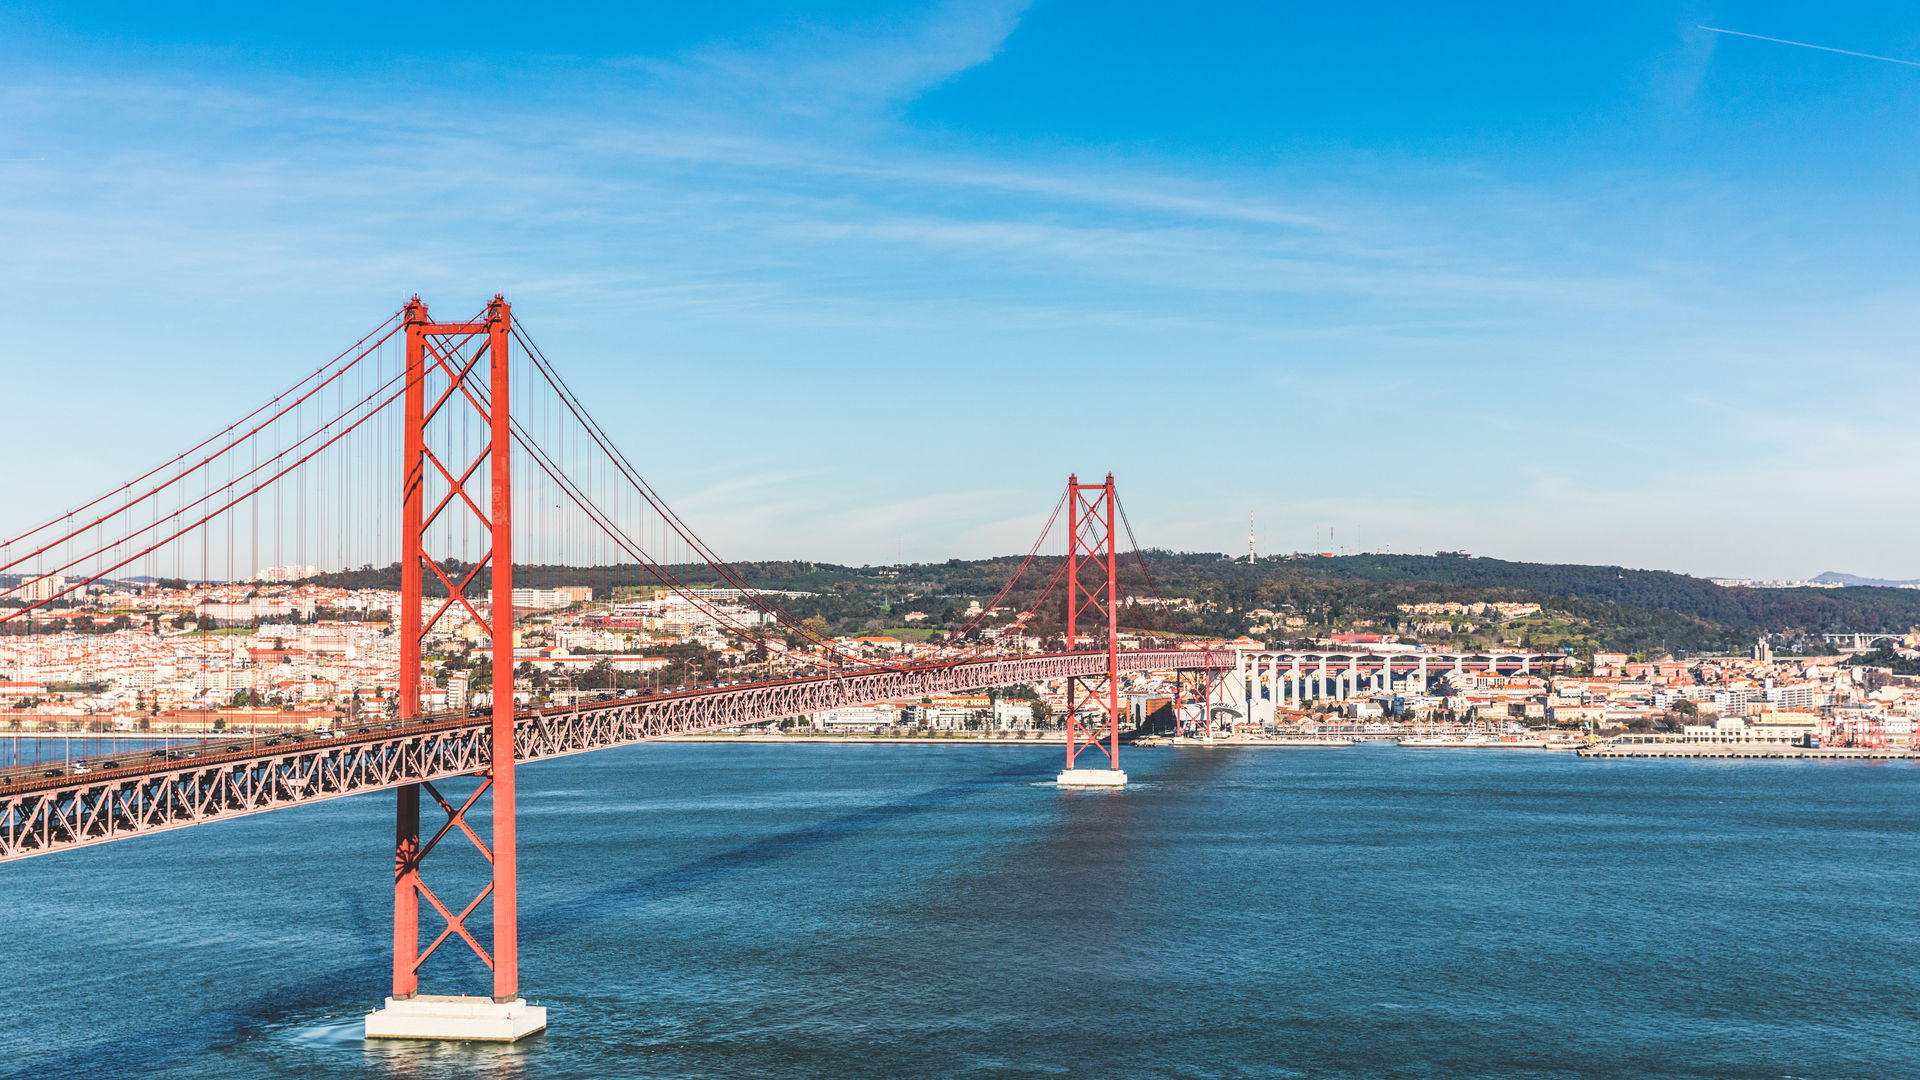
1093,594
458,366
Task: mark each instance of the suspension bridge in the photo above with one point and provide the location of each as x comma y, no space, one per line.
457,447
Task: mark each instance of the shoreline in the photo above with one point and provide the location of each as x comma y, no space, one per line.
1735,750
1058,739
1050,739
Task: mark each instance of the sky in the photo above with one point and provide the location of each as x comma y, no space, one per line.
864,282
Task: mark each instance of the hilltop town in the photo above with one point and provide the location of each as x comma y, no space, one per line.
288,650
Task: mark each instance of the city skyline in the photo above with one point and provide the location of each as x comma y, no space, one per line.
1615,291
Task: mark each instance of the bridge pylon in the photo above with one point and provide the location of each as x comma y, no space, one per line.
453,367
1093,593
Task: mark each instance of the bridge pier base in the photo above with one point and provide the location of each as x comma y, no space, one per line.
1102,778
458,1019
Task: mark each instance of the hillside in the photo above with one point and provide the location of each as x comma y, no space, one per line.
1584,608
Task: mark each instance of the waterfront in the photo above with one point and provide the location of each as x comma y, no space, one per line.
855,911
51,748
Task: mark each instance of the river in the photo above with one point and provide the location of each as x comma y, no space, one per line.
698,910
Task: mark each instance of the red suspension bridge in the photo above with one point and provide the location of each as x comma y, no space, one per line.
419,441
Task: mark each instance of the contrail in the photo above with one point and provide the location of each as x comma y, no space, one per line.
1809,45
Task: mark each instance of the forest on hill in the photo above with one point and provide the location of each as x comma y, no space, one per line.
1289,600
1583,607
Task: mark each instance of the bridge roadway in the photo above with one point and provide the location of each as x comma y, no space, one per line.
141,794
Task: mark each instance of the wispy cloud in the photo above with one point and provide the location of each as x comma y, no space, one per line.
328,179
743,224
832,75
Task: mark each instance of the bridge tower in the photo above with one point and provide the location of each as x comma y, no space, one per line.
1093,592
452,367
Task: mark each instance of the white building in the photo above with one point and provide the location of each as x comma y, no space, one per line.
259,607
1777,729
1012,713
856,718
542,599
35,589
1797,696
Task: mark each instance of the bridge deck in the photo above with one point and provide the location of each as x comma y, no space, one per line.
142,793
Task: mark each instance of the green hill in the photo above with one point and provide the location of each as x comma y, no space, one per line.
1584,607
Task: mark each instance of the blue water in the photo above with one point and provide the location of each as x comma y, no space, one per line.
847,911
52,749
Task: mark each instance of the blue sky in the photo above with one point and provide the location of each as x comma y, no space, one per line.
1567,285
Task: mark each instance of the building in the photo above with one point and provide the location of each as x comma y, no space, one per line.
263,608
856,718
1798,696
1011,712
35,589
542,599
561,661
1774,729
1493,609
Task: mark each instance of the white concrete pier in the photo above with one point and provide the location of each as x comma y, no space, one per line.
1104,778
467,1019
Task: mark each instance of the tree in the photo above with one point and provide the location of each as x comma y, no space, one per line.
1684,708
